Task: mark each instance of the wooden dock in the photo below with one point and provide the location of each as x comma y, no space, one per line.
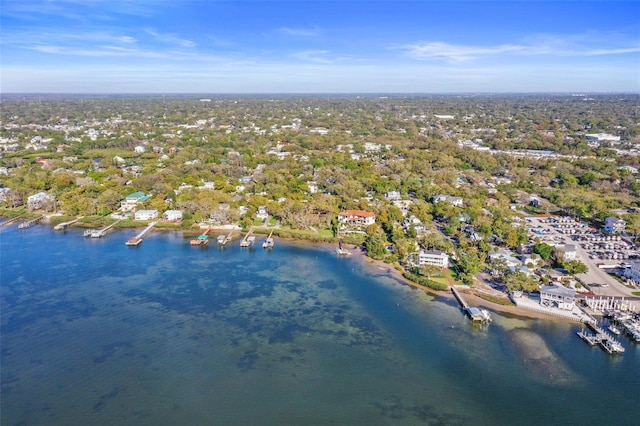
28,224
10,221
248,239
202,240
268,242
602,338
135,241
475,314
224,239
62,226
99,233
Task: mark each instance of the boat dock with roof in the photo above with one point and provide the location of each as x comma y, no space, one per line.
268,242
474,313
202,240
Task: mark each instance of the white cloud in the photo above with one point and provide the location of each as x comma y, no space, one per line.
317,56
170,39
454,53
546,46
299,32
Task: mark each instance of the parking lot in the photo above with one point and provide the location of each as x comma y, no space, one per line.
593,248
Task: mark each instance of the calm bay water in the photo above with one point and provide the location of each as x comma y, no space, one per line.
94,332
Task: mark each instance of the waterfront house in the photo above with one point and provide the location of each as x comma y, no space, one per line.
557,297
172,215
40,201
356,218
431,257
614,225
146,214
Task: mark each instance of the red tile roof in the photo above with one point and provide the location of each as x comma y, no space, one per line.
360,213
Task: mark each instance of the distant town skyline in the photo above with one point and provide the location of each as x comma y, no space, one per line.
189,46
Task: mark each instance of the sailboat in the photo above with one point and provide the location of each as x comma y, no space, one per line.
341,251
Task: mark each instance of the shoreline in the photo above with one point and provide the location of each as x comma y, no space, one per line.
473,299
390,270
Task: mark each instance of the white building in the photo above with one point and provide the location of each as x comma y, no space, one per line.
313,187
431,257
262,213
510,261
632,272
454,201
557,297
596,138
145,214
172,215
132,200
356,218
567,252
614,225
39,200
393,195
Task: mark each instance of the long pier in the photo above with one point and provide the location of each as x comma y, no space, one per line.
30,223
10,221
459,298
99,233
134,241
475,314
248,239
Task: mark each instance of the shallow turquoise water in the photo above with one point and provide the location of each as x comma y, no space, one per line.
94,332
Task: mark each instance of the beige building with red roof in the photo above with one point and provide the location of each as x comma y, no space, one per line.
356,218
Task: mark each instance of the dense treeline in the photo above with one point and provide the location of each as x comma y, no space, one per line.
269,150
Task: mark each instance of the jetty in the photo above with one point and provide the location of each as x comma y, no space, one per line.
62,226
10,221
135,241
474,313
248,240
268,242
28,224
99,233
202,240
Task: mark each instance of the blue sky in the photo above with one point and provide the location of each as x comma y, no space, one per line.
189,46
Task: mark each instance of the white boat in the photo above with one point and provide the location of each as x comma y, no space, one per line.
612,328
612,346
341,251
268,243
